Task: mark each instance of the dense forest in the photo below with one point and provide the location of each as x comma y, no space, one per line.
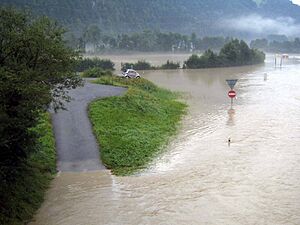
181,16
94,40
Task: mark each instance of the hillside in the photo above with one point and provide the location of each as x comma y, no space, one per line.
119,16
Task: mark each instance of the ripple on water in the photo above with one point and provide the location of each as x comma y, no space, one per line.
200,179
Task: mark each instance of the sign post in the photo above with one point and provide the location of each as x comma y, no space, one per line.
232,94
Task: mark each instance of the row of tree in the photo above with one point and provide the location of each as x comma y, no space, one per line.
93,40
234,53
36,70
277,46
143,65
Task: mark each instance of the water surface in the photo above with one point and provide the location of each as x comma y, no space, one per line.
200,179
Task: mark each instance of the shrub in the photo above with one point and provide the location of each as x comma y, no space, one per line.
234,53
36,70
85,64
140,65
96,72
170,65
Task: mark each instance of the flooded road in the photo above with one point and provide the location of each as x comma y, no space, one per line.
200,179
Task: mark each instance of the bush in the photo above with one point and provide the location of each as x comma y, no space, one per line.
85,64
36,70
96,72
140,65
23,194
170,66
234,53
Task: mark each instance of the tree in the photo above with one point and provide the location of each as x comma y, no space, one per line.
259,44
245,52
92,35
36,71
230,52
234,53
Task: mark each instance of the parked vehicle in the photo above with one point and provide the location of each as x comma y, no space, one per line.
130,73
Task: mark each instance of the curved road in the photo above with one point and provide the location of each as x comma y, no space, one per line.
76,146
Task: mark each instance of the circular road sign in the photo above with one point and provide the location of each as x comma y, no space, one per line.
231,94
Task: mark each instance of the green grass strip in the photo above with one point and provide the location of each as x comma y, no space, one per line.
132,129
23,197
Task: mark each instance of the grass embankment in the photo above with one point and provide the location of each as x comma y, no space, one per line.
21,198
133,128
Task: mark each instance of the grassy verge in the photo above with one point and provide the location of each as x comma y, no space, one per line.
19,200
133,128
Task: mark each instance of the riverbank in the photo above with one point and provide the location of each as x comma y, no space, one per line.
132,129
24,195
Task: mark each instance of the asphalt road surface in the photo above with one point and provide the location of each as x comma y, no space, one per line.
76,145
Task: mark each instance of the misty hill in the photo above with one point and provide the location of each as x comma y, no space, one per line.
204,17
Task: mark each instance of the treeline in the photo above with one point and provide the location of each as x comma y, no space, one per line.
121,16
87,63
277,46
143,65
93,40
37,70
96,67
234,53
180,16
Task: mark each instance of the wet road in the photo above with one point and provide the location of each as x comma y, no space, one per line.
77,148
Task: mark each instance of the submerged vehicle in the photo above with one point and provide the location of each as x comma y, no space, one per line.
130,73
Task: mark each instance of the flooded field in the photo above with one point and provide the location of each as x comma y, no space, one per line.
200,179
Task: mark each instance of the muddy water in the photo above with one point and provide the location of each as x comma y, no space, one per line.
154,58
200,179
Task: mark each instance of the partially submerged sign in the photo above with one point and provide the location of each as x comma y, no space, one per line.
232,82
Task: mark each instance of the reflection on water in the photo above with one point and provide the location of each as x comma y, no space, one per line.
199,180
230,121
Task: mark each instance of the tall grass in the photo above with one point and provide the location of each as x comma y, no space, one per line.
133,128
20,198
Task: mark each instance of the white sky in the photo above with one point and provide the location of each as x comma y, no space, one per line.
296,2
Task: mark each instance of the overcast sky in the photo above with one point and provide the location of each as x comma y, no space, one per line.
296,2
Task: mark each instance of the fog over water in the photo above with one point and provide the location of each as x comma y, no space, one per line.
200,179
257,25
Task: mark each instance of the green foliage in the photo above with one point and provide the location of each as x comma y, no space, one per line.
147,41
234,53
143,65
181,16
140,65
133,128
36,70
92,35
87,63
96,72
170,66
193,62
23,194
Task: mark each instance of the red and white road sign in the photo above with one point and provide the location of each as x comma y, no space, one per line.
231,94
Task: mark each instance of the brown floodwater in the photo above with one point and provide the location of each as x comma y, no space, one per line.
200,179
